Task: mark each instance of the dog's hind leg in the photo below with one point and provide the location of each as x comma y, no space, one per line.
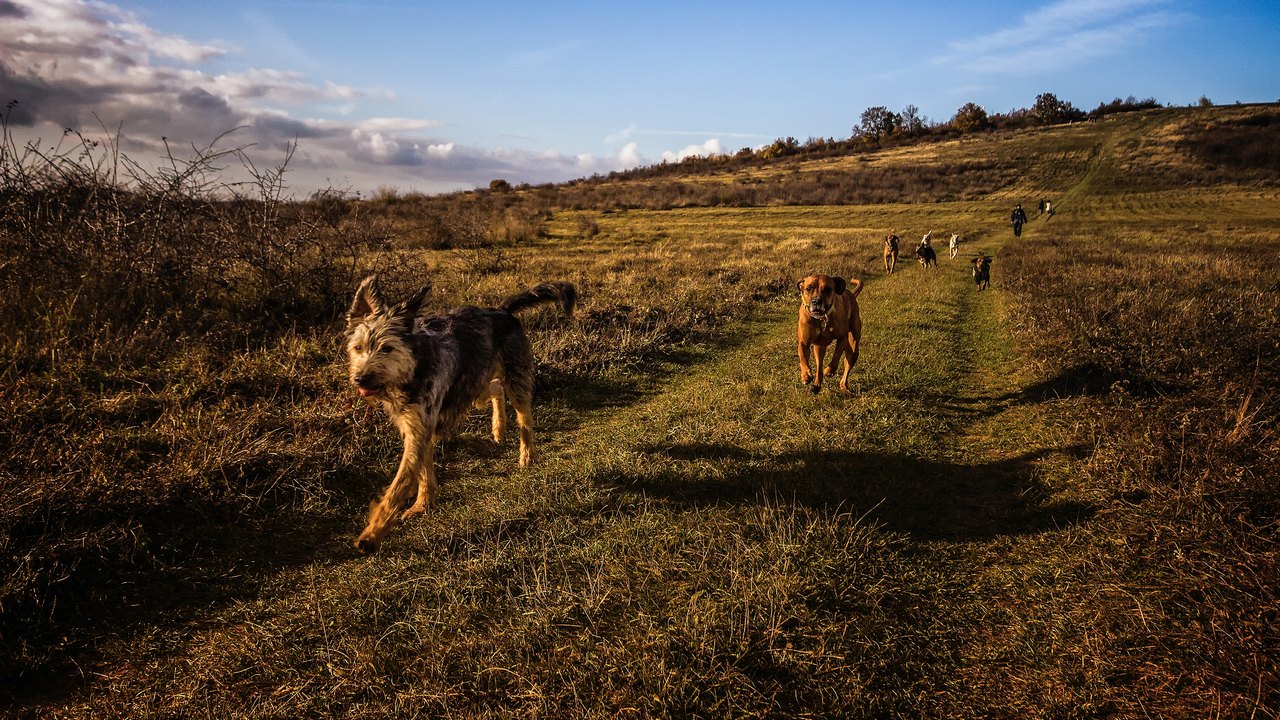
522,401
498,401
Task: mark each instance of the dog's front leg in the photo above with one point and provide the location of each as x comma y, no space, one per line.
418,444
806,376
428,487
819,354
842,348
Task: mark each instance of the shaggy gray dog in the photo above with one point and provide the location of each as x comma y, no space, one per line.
428,371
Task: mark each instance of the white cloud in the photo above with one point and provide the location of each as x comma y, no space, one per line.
625,133
442,150
629,155
710,147
1059,35
277,87
542,56
168,45
397,124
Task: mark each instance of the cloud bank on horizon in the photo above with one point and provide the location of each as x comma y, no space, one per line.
95,68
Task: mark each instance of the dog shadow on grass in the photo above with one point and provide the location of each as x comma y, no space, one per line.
1089,380
923,498
1086,380
157,568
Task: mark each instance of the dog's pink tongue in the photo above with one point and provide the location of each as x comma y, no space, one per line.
366,392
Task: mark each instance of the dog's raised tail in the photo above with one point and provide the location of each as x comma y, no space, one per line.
853,287
561,293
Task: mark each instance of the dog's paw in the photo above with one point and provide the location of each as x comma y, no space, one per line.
413,512
815,389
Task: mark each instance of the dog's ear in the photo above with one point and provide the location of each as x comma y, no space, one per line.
840,285
368,301
409,308
800,284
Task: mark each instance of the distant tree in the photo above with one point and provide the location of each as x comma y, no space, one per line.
971,117
1117,105
877,122
1049,110
780,148
499,185
912,123
1205,101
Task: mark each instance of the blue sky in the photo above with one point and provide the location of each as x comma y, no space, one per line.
439,96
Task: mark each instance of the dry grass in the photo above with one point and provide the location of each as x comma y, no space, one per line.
1179,335
1053,499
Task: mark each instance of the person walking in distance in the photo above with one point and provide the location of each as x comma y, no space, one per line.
1017,219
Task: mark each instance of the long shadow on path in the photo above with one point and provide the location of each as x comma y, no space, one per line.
923,498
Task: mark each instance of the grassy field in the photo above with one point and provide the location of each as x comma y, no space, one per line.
1056,498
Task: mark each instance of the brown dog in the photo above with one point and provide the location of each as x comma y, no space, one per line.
890,253
828,314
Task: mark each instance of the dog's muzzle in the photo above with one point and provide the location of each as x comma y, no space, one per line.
366,386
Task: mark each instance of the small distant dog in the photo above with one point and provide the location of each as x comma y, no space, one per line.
954,245
982,272
828,314
428,371
926,255
890,253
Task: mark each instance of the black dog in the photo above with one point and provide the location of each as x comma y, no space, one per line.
926,255
982,271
